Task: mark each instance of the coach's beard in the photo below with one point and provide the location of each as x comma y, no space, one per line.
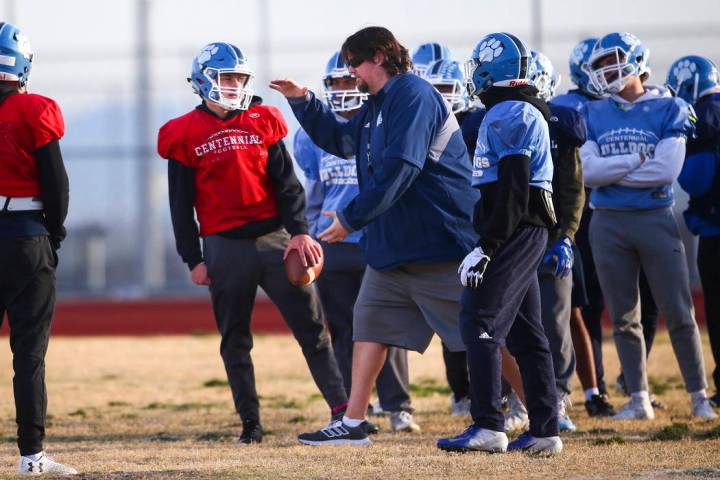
362,86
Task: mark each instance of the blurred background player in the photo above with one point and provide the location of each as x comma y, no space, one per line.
589,308
331,183
635,150
448,78
696,80
33,206
501,301
427,53
227,163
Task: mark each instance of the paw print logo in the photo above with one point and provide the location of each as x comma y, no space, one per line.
684,70
578,53
629,38
207,53
489,50
23,45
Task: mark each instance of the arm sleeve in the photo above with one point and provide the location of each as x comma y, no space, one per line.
570,194
289,193
509,205
372,202
698,173
54,189
660,169
49,124
181,187
417,124
599,171
335,137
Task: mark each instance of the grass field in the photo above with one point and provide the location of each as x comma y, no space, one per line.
161,408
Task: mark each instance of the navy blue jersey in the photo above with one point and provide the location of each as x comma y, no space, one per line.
470,126
567,129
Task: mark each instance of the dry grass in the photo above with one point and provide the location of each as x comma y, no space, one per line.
160,407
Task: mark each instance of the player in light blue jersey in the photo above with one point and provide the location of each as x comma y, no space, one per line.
331,183
513,170
635,150
696,80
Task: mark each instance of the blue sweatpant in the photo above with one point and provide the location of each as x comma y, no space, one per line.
505,310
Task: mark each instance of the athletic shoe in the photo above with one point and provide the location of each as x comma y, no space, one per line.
369,428
460,407
517,416
337,433
43,465
402,421
636,409
375,409
599,406
252,432
543,446
703,409
475,439
565,423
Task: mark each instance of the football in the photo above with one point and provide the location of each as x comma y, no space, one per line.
299,275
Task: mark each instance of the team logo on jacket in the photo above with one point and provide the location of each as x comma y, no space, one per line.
226,141
622,141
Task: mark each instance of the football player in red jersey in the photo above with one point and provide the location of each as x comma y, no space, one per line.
227,163
33,206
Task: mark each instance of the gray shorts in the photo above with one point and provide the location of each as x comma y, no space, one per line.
406,306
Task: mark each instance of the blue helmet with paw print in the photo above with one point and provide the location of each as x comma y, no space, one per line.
615,58
498,60
692,76
15,55
578,59
214,61
427,53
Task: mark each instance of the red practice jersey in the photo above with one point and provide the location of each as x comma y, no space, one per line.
27,122
229,158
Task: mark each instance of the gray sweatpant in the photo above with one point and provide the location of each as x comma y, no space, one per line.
623,242
556,296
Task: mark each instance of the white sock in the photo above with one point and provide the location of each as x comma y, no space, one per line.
642,394
35,456
352,422
698,396
589,392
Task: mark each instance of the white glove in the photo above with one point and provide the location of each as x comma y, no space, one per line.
473,267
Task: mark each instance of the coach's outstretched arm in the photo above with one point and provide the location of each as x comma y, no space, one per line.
320,123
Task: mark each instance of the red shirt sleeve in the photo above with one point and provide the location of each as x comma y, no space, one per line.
276,128
48,124
171,143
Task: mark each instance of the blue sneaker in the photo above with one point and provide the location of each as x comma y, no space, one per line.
475,439
565,424
543,446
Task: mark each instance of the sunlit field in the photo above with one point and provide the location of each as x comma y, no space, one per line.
161,407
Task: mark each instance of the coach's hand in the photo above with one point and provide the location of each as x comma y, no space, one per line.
561,253
306,247
199,275
288,87
473,267
335,232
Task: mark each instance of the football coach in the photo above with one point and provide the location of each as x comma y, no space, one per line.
414,207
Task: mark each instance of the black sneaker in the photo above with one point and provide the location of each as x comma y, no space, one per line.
369,427
252,432
336,433
599,406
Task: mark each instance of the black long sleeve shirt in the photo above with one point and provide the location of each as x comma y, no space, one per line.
54,189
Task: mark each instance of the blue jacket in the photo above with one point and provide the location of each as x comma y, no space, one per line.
415,200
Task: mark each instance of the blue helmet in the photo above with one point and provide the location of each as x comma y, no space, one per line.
214,61
498,60
448,78
578,59
340,100
629,56
15,55
543,75
692,76
428,53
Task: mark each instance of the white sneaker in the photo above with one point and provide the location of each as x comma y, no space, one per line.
461,407
475,439
703,409
636,409
517,416
43,465
374,409
402,421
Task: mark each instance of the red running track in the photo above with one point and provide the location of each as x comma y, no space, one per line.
172,316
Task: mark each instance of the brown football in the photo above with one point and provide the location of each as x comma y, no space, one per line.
299,275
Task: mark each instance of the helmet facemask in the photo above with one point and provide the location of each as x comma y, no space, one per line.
342,100
231,97
610,77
